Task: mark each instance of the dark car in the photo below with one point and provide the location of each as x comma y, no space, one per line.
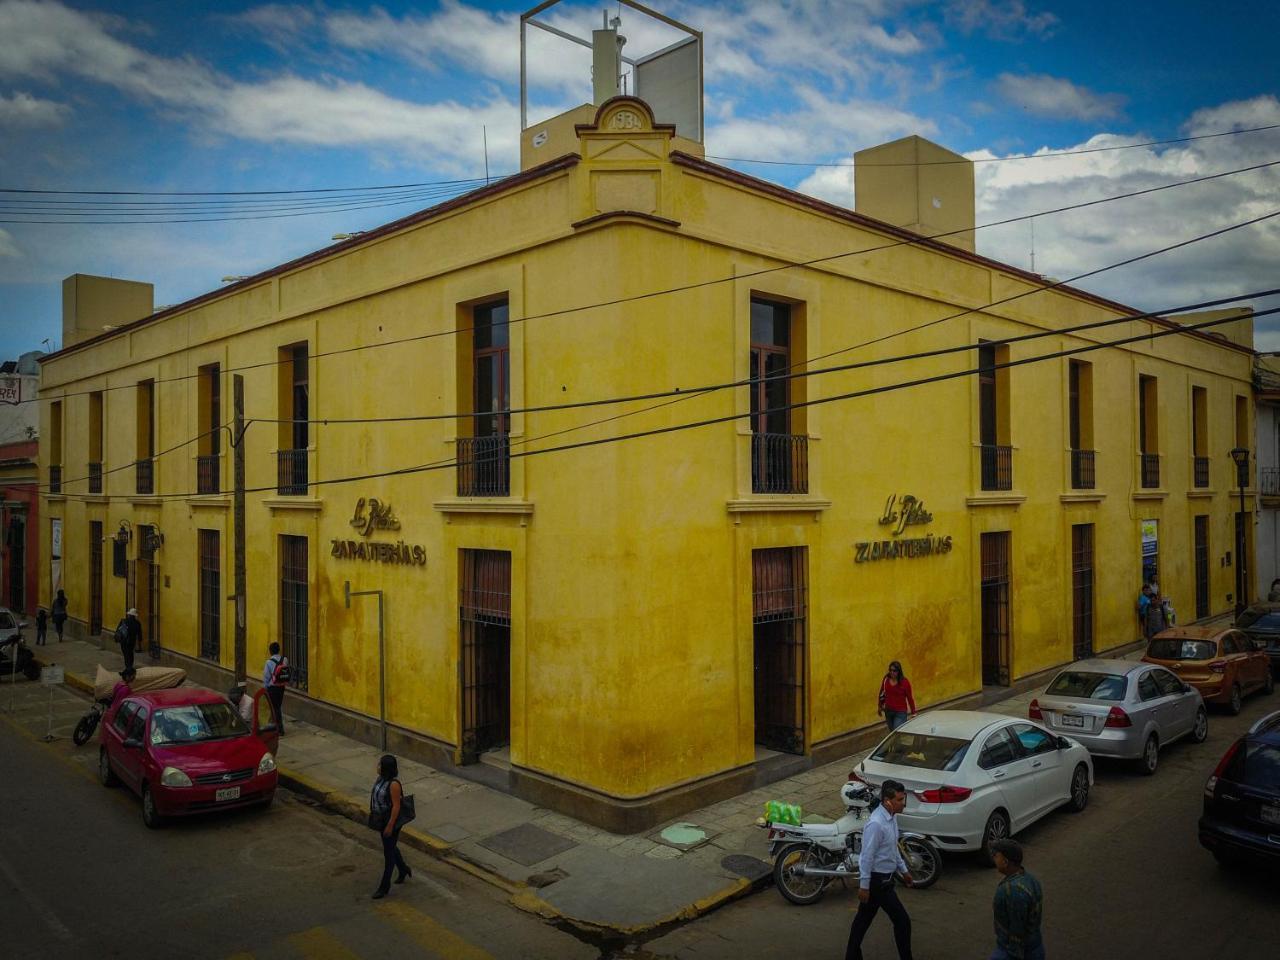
1261,621
1242,799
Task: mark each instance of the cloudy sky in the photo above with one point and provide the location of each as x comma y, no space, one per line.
233,96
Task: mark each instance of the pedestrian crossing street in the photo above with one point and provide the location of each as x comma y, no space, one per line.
390,928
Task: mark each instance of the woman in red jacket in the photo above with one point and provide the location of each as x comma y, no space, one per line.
896,702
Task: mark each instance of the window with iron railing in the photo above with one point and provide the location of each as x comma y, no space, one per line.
997,467
295,431
291,473
1201,470
779,455
1269,481
1150,471
1082,469
484,466
484,458
55,478
144,471
208,468
95,477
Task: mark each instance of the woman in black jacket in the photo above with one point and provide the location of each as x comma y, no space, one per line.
384,808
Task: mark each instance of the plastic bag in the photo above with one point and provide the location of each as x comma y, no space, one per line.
779,811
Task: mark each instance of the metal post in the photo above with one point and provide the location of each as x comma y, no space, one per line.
1241,564
348,593
237,443
48,730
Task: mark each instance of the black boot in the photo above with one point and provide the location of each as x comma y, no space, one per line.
405,874
380,893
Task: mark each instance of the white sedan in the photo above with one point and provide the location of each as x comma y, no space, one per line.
974,777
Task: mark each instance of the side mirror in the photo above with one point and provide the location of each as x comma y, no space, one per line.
1063,743
133,743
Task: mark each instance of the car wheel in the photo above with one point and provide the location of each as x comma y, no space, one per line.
1150,758
1200,732
1079,789
997,828
105,774
1237,701
150,815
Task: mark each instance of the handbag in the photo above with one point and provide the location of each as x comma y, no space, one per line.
408,812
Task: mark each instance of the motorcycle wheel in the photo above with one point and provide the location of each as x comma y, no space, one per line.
84,728
799,890
924,860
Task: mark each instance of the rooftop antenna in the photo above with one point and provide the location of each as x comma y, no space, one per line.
1033,244
484,130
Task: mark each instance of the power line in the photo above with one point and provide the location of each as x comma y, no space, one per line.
1028,156
718,280
729,418
686,392
46,488
244,193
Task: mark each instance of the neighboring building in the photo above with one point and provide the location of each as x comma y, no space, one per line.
1267,394
633,628
19,497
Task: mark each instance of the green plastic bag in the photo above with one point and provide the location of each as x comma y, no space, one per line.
779,811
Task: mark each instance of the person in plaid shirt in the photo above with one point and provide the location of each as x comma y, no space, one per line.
1018,906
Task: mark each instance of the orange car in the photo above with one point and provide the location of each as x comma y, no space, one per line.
1221,662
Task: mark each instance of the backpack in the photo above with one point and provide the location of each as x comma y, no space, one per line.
122,630
282,674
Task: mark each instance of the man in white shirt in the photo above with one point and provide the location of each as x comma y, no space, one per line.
877,863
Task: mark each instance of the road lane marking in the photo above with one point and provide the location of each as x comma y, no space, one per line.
319,944
436,937
38,907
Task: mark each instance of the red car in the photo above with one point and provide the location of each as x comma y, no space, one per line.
188,751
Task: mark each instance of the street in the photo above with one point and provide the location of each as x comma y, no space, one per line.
82,877
1124,878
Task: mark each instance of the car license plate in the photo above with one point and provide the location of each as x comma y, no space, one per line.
226,793
1071,720
1270,813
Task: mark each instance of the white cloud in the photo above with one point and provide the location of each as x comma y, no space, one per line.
1070,244
8,246
1057,97
999,19
24,110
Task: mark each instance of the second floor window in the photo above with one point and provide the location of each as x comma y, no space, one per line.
1149,431
491,350
770,363
993,417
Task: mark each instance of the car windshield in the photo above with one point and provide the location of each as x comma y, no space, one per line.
6,621
1182,649
921,750
1259,619
196,723
1090,686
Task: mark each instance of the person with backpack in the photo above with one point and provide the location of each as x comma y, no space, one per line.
59,613
276,675
129,636
42,627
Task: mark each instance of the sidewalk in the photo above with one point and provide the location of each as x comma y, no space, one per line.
601,883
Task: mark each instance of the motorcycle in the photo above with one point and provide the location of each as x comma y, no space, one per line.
16,657
807,857
89,723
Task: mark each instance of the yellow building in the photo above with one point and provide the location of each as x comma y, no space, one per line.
631,628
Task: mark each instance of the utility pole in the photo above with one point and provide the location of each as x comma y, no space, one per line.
237,445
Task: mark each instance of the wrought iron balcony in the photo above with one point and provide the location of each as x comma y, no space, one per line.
145,472
779,463
1082,474
95,477
484,466
1269,481
997,467
291,473
208,469
55,478
1150,471
1201,471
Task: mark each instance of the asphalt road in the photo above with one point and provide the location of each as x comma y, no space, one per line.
81,877
1126,878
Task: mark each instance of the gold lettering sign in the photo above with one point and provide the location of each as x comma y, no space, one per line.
900,513
370,515
373,515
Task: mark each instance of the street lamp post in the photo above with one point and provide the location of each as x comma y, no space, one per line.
1240,455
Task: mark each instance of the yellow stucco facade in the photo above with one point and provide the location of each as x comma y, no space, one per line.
634,601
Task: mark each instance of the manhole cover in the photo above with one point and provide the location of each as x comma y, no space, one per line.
745,866
527,844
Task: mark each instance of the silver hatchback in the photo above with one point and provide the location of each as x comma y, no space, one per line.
1121,708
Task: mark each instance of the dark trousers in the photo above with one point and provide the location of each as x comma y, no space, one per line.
126,651
391,859
882,895
42,634
57,626
276,695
